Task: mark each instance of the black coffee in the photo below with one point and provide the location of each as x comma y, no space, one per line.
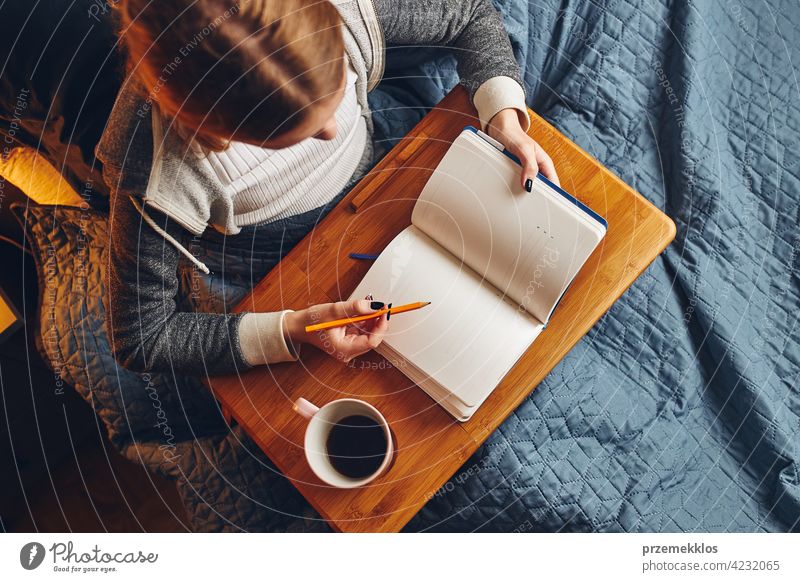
356,446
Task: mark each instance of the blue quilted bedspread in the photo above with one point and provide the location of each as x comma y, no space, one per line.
679,411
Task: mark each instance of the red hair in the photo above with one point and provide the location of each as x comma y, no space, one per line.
249,68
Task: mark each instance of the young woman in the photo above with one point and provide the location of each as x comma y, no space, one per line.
251,117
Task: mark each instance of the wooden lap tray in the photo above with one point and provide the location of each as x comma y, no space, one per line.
431,445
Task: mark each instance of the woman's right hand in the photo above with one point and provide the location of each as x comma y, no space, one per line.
343,343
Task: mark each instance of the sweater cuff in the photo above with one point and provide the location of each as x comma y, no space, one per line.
500,93
261,339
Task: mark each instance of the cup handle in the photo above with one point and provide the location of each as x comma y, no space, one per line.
304,408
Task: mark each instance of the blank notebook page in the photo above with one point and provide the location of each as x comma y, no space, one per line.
469,337
529,245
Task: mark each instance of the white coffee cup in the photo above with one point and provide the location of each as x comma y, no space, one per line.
321,421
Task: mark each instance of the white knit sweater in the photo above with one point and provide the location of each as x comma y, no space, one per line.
267,184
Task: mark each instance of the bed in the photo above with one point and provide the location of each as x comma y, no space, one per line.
680,410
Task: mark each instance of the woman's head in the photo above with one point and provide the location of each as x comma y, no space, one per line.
268,72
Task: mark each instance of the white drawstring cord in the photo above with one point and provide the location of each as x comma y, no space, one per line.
198,263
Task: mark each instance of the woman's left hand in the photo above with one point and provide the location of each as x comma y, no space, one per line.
505,127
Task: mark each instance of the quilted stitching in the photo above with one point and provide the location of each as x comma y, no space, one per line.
679,411
226,482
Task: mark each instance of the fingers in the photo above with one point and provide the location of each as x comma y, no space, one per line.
362,327
379,331
530,167
546,166
356,345
505,126
361,341
356,307
534,160
525,150
353,340
372,336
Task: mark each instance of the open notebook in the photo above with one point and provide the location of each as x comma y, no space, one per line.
493,259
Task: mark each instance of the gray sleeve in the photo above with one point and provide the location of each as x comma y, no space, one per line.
146,330
473,29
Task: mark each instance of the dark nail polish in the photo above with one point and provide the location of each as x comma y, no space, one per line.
376,305
529,184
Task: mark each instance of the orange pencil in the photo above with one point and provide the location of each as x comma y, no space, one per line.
349,320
